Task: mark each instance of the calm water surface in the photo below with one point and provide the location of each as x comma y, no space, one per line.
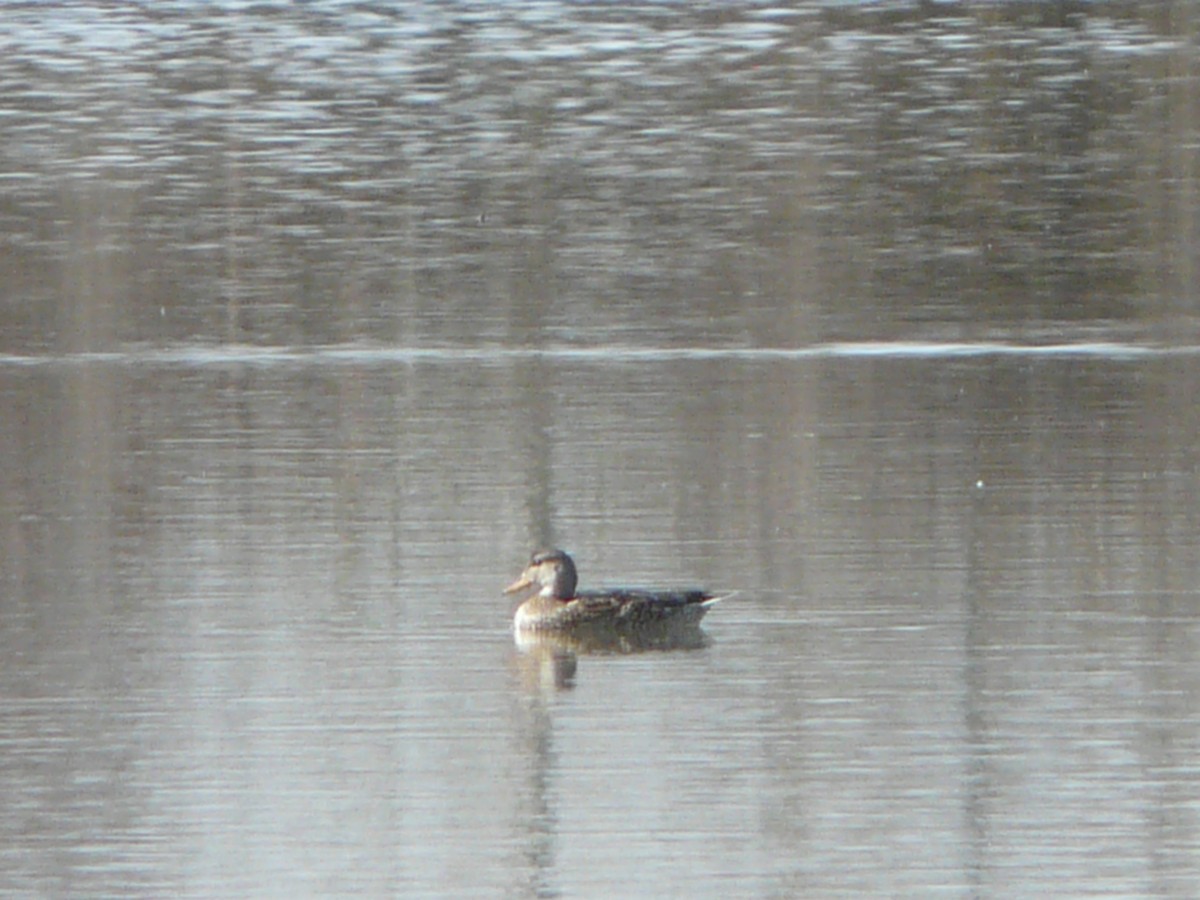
315,321
254,635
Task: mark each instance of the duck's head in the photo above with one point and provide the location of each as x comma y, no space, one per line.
552,572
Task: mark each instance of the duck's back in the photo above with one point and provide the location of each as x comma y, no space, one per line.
622,609
632,606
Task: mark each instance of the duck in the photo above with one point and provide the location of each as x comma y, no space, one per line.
558,607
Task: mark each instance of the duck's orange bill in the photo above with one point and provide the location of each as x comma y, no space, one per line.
523,582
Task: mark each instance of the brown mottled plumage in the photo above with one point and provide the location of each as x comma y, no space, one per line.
557,606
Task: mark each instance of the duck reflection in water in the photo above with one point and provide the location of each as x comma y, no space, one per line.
557,622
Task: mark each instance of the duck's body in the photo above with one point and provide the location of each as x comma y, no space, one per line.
557,606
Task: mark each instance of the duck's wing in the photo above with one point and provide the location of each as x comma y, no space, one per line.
635,605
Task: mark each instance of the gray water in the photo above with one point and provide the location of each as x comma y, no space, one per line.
316,320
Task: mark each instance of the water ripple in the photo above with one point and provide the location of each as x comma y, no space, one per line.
199,357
